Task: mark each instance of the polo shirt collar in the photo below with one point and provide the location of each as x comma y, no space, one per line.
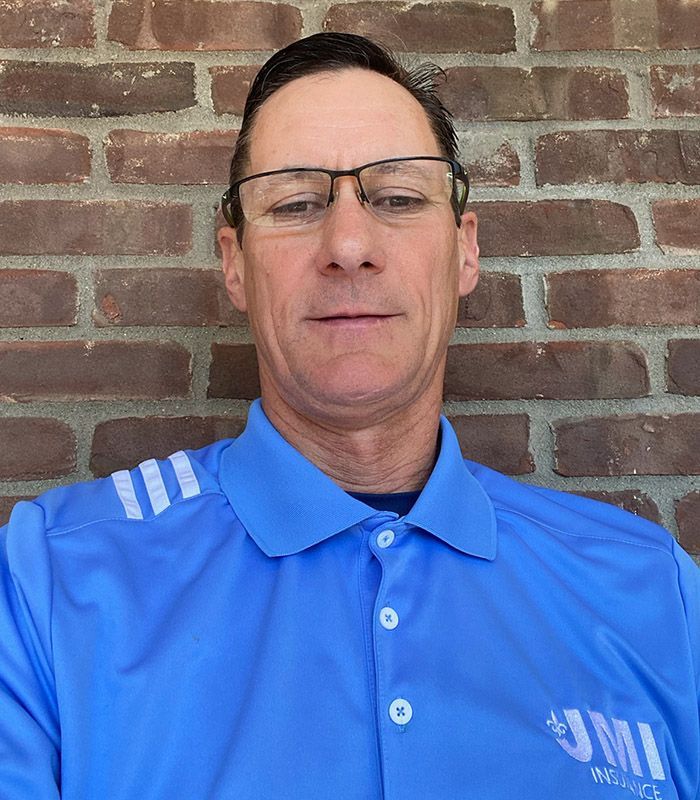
287,504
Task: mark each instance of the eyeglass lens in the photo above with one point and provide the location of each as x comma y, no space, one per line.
394,190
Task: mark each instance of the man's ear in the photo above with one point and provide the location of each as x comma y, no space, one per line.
468,254
233,265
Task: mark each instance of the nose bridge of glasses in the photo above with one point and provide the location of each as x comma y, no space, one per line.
346,177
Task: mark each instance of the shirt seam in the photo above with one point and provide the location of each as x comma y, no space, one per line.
554,528
73,528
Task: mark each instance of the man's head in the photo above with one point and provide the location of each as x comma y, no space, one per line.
353,307
331,52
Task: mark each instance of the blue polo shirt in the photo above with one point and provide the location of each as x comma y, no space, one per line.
229,624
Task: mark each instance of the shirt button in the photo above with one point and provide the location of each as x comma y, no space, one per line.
386,538
388,618
400,711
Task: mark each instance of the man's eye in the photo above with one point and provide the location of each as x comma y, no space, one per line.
297,207
398,201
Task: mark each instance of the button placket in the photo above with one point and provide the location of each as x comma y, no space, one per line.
398,709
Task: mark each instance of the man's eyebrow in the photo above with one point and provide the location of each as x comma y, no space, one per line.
410,168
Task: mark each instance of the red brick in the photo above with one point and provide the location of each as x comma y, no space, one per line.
80,370
660,156
196,157
537,93
33,297
628,445
94,227
555,228
36,155
64,89
683,366
444,27
675,90
230,86
616,25
45,23
688,519
203,25
233,372
599,298
493,166
677,226
151,296
551,370
122,443
7,504
35,448
631,500
499,441
497,302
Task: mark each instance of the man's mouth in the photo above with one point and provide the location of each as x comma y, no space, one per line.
354,320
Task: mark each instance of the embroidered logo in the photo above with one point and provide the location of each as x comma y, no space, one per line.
629,766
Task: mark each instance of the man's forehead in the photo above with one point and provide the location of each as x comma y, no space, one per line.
334,118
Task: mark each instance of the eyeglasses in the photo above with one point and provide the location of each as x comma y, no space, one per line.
394,189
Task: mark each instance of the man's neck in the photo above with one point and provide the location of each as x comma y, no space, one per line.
396,454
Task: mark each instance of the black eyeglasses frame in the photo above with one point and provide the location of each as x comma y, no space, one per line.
231,201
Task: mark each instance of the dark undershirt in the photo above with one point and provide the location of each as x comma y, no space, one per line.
399,502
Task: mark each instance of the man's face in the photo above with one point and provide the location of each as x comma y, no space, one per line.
351,315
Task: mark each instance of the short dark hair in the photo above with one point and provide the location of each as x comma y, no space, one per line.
330,52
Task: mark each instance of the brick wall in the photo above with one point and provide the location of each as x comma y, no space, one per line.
576,363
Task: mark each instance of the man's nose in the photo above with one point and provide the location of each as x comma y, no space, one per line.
350,239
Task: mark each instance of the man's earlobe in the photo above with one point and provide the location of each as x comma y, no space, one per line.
468,254
233,265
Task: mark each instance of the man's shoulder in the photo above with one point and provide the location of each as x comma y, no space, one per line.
141,493
571,515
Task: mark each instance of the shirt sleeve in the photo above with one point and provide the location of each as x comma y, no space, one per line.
29,728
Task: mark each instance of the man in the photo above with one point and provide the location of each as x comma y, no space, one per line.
335,604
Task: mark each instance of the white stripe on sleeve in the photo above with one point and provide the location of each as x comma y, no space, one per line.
189,485
155,487
125,489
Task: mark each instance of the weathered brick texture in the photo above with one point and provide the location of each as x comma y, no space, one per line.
675,90
501,441
436,27
36,155
496,302
89,370
555,228
560,370
494,166
535,93
192,297
233,371
34,447
58,89
677,225
197,157
229,87
203,24
619,157
688,518
94,227
683,365
600,298
37,298
616,25
123,443
631,500
639,444
46,23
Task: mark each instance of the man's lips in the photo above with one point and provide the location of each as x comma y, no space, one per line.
353,321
